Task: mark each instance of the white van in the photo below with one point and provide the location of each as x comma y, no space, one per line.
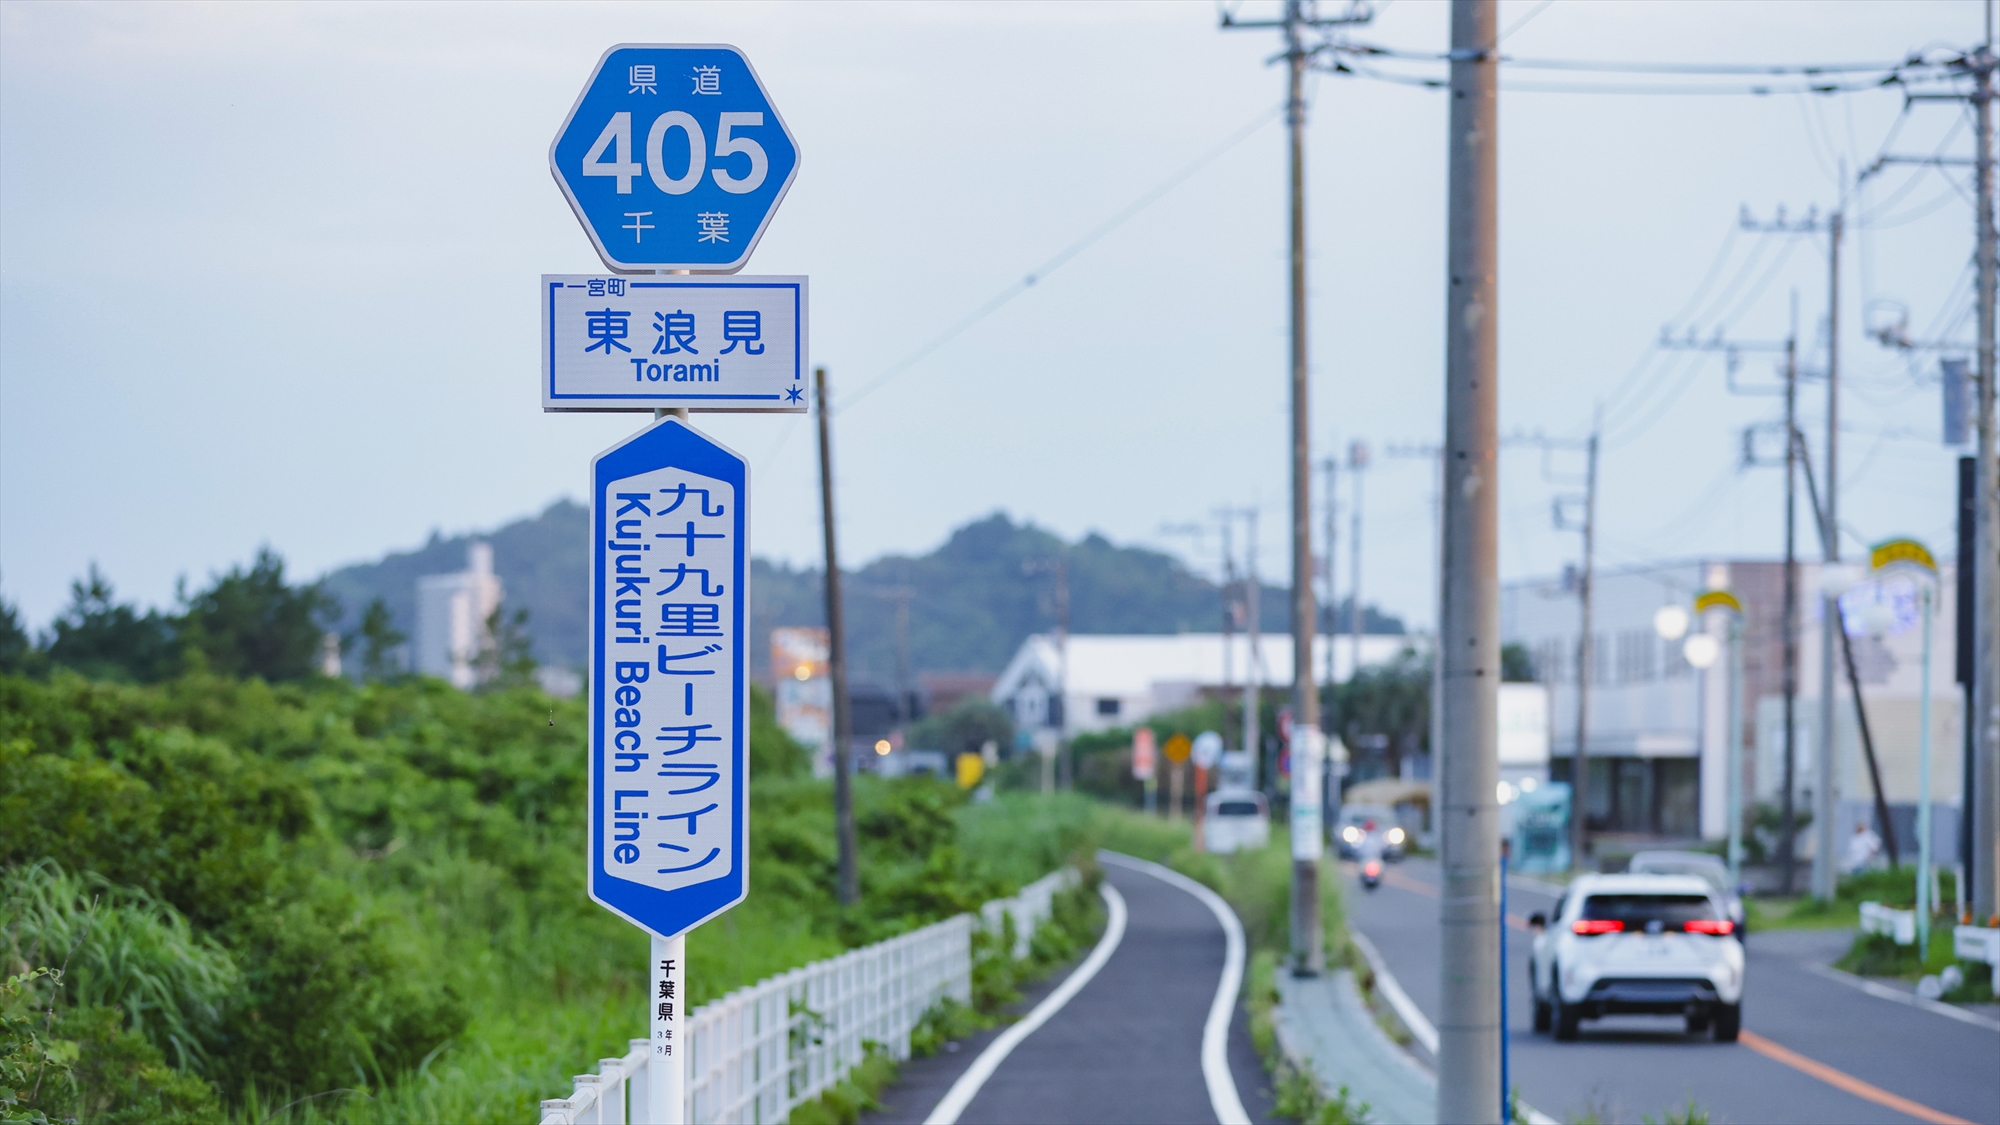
1236,820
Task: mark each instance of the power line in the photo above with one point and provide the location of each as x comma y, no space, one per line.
1061,258
1603,66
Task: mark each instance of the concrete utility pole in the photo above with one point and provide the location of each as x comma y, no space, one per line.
1825,796
1983,724
1470,1025
1357,620
1788,816
848,886
1586,661
1300,17
1986,586
1331,609
1253,672
1826,511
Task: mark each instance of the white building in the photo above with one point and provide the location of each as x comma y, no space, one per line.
452,612
1115,680
1658,728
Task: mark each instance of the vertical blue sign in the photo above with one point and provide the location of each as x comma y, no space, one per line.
669,722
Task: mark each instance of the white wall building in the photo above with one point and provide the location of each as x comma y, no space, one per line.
1115,680
452,611
1658,731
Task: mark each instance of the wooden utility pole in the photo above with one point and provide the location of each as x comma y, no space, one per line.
848,886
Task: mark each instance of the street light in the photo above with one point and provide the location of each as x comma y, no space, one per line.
1701,650
1896,555
1671,623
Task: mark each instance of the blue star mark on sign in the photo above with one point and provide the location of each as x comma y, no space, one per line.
792,395
674,157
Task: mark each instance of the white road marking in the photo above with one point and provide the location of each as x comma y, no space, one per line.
1413,1018
967,1087
1222,1096
1884,992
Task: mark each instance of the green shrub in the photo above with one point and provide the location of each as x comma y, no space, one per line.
124,951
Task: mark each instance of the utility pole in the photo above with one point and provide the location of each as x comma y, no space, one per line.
1788,817
1253,679
1331,609
1435,455
1787,849
1825,798
1357,621
1984,722
1586,658
1986,586
1470,1024
1300,17
1058,566
848,880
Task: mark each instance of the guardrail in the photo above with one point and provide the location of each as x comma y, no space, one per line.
1978,943
1897,925
759,1051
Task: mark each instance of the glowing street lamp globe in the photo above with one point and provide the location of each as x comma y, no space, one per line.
1702,650
1671,622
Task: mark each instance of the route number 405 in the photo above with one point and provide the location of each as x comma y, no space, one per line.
617,136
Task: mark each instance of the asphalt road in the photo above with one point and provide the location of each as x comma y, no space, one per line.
1125,1048
1813,1049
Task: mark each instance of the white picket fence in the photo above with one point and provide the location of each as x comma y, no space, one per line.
759,1051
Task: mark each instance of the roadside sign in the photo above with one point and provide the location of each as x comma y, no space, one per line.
674,158
1177,749
1207,749
1143,754
732,344
668,724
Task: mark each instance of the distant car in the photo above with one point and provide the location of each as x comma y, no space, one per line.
1617,944
1237,820
1710,869
1374,824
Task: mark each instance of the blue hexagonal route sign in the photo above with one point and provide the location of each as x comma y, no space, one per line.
674,158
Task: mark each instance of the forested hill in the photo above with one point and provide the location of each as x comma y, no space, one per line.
971,601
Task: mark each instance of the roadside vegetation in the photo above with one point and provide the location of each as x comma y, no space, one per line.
320,900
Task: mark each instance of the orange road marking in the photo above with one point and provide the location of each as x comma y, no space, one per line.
1845,1081
1839,1079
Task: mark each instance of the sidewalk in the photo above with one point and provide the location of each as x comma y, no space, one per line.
1323,1021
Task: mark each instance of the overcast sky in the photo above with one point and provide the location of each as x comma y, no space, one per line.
267,275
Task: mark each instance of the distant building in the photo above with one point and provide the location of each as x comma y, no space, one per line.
452,612
1111,680
1658,734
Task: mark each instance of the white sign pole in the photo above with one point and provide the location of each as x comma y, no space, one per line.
666,1084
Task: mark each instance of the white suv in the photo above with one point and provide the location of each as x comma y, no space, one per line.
1661,944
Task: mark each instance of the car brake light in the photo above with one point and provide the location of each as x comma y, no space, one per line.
1707,926
1596,926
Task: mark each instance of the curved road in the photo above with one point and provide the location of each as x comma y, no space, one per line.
1813,1048
1125,1047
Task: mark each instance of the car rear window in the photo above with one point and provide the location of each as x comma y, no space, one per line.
1236,808
1637,910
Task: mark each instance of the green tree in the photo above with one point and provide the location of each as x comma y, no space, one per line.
379,639
18,654
1517,665
250,623
103,639
509,661
1384,713
962,730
